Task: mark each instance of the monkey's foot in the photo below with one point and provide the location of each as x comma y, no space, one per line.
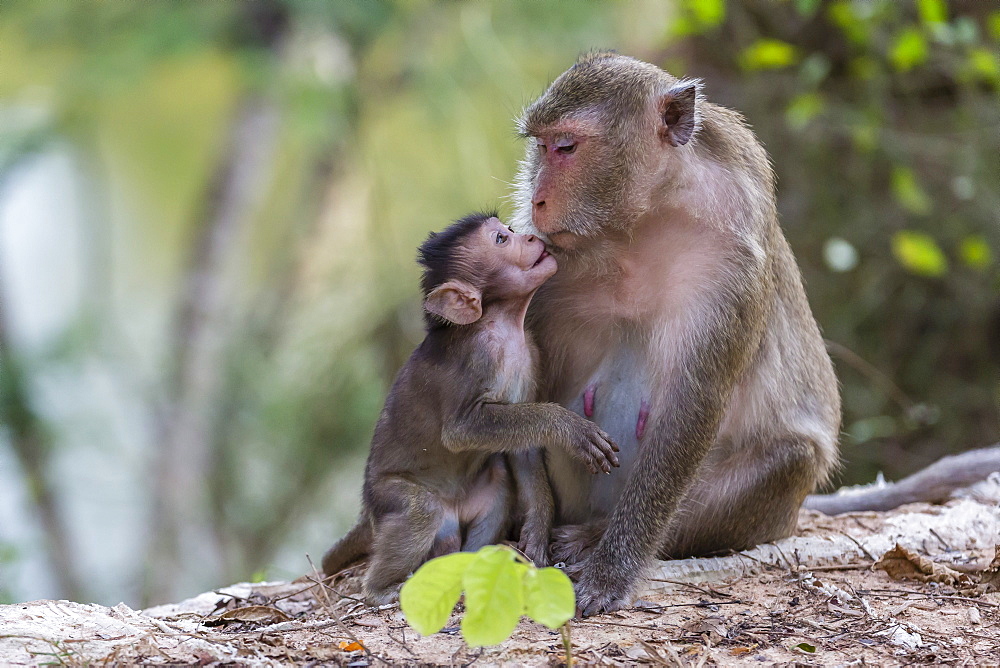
534,544
381,596
594,597
573,543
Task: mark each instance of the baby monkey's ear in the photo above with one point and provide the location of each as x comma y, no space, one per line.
455,301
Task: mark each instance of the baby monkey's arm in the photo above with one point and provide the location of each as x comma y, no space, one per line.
493,426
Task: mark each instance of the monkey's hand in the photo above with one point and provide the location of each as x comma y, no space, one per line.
534,544
593,447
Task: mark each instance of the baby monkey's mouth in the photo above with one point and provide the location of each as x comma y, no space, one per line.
541,257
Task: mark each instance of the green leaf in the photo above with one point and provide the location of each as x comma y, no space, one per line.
865,136
842,14
993,24
919,253
768,54
864,67
984,64
975,252
932,11
806,7
697,16
802,109
805,647
428,597
494,596
548,596
909,50
707,12
908,192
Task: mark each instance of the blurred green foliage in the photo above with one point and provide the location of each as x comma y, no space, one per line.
393,118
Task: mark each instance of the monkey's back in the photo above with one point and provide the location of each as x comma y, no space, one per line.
437,380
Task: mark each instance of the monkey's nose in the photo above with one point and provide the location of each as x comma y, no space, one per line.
530,239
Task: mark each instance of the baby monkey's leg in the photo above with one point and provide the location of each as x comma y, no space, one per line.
535,505
488,506
403,538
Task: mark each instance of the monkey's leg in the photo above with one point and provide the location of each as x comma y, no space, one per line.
403,540
350,548
535,505
749,497
448,538
488,506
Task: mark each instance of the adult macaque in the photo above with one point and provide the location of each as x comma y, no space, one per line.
678,322
438,478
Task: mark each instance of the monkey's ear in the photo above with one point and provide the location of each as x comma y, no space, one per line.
678,109
455,301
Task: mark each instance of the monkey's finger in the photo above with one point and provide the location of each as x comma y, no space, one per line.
612,457
607,448
592,461
600,457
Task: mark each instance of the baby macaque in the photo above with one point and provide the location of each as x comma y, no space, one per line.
455,459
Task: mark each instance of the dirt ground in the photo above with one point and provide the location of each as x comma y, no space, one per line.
837,613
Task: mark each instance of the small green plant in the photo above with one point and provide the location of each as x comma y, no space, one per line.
499,584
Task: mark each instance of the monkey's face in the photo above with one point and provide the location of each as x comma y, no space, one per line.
517,263
574,177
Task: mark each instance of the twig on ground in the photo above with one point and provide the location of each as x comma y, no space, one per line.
704,590
934,595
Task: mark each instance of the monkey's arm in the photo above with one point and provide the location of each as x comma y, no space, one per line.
711,348
492,426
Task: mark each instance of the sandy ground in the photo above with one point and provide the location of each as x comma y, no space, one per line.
793,612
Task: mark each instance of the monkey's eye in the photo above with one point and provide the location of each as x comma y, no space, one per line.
565,146
501,239
540,145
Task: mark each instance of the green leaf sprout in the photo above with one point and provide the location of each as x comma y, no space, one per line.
499,585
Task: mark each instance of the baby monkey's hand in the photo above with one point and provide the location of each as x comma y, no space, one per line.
594,448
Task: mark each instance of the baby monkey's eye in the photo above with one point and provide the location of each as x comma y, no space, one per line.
501,238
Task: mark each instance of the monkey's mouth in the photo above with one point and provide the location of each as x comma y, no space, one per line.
541,257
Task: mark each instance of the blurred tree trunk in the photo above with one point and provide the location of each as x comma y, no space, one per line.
263,329
32,448
181,530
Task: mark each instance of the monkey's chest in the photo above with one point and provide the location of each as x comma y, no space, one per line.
615,394
514,380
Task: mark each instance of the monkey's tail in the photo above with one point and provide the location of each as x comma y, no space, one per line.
349,549
933,484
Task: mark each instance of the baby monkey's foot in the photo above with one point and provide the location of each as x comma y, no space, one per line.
534,544
573,543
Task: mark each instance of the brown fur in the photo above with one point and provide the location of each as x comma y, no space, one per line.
680,308
451,461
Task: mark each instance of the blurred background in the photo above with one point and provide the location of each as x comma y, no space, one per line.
209,212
